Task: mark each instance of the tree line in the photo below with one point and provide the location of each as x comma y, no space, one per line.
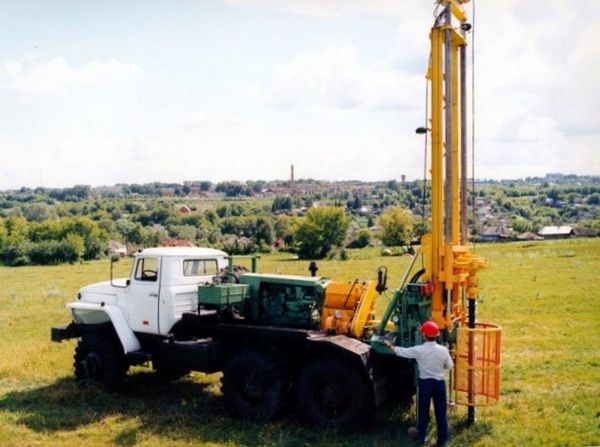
50,237
46,226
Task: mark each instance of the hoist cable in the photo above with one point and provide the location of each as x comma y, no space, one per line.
473,192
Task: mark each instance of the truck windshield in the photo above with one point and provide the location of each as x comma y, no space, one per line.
146,269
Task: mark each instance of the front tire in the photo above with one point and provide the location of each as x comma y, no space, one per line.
253,386
331,394
99,359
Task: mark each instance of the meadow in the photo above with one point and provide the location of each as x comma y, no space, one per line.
544,294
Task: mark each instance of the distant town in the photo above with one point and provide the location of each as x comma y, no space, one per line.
52,225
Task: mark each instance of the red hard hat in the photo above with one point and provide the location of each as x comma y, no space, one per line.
430,329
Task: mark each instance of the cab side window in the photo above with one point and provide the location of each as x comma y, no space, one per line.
200,267
146,269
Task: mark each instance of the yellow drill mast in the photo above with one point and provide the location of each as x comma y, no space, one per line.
449,265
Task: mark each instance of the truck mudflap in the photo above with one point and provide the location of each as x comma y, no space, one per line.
60,333
358,354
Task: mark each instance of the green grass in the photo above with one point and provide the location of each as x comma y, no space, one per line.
545,296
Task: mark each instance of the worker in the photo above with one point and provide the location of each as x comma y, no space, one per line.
433,359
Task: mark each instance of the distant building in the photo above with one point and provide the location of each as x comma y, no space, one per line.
495,234
365,210
554,232
116,248
529,236
584,232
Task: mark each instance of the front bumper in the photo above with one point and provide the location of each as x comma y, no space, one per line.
60,333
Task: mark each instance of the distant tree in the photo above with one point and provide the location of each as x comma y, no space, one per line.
137,234
593,199
282,226
421,227
392,185
256,186
205,185
355,202
262,231
363,238
93,237
232,189
46,231
520,225
132,207
319,231
186,232
282,203
73,248
36,212
16,229
160,215
153,236
396,226
124,227
211,216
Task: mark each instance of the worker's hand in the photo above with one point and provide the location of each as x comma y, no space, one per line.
387,343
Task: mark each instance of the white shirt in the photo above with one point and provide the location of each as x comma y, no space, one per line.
433,359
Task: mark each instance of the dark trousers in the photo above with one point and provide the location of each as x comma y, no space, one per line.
436,390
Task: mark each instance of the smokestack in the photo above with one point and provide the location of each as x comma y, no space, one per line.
292,181
403,178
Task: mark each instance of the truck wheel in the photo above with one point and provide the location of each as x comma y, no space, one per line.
331,394
253,386
99,359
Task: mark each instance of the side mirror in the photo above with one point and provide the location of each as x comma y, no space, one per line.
114,257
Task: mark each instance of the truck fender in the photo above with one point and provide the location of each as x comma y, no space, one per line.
355,351
92,313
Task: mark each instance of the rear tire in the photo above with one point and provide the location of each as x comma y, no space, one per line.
331,394
253,386
99,359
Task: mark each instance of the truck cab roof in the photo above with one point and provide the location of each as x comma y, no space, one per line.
182,252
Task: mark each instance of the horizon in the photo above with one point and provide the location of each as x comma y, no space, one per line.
214,183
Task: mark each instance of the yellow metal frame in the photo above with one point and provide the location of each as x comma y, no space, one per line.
477,379
448,264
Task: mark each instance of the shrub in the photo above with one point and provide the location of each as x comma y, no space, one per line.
396,226
363,238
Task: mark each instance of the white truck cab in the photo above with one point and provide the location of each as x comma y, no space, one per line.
163,285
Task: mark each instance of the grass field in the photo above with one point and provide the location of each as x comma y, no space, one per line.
544,294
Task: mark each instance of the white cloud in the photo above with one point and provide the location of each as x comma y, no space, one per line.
32,77
211,119
328,8
536,86
333,77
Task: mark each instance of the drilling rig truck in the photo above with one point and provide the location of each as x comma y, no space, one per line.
307,341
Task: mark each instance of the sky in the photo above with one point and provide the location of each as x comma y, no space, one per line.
132,91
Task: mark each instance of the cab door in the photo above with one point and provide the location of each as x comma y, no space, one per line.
143,299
